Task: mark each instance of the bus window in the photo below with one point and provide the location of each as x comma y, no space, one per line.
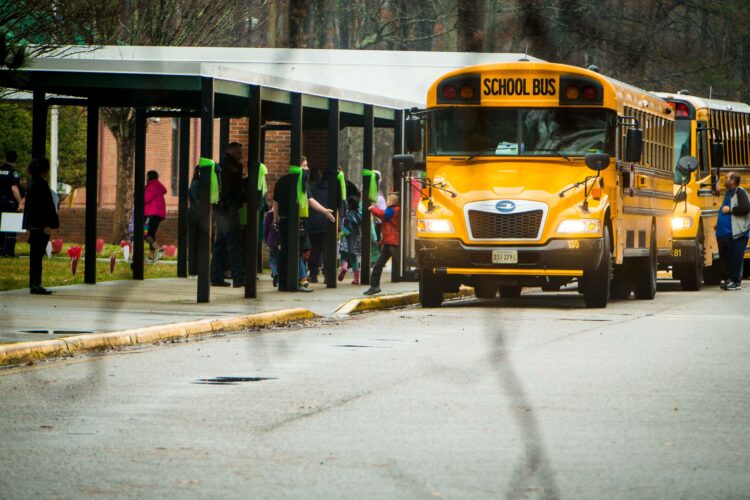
702,141
681,145
521,132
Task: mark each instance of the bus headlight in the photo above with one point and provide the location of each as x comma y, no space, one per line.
580,226
680,223
434,226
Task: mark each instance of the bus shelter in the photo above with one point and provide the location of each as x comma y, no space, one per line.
309,89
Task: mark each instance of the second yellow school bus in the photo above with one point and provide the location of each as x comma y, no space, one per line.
541,174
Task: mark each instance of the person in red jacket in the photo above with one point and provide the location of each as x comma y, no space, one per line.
155,210
389,239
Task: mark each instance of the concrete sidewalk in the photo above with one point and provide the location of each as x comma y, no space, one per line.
122,305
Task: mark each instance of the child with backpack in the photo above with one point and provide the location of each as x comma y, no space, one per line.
350,239
389,240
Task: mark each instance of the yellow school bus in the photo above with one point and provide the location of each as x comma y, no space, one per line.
542,174
717,134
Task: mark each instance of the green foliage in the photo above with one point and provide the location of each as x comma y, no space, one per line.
15,132
72,146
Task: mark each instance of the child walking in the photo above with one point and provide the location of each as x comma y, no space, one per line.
350,239
270,236
389,240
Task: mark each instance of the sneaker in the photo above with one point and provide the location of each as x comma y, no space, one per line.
342,274
313,279
372,290
723,285
39,290
733,286
306,290
275,280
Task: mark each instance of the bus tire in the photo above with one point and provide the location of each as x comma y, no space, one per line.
621,284
430,289
644,277
596,282
485,289
510,292
691,275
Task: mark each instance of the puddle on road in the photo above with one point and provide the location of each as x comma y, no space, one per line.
230,380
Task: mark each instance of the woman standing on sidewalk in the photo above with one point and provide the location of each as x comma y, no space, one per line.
39,218
155,210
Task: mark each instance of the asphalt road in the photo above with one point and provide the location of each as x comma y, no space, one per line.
529,398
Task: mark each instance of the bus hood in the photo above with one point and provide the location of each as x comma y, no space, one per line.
530,180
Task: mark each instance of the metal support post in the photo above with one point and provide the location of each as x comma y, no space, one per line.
138,194
367,161
334,195
252,247
183,186
398,148
204,179
92,188
295,158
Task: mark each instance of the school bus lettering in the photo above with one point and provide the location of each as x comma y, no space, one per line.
520,86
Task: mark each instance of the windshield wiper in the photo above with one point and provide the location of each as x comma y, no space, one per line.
471,156
558,153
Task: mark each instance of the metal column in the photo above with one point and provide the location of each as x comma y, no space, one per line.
398,148
252,247
92,188
138,194
223,136
204,206
367,142
183,186
39,126
295,158
331,241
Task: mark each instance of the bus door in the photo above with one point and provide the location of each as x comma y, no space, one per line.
410,191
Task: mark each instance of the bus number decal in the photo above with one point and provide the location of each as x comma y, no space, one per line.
676,252
520,86
574,244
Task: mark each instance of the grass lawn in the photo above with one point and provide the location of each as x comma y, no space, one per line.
14,273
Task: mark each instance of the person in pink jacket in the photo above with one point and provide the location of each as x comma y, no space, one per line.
154,209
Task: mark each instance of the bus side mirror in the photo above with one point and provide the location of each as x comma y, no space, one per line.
406,163
597,161
686,166
633,145
413,135
717,155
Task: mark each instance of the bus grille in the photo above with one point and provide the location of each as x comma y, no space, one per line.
520,226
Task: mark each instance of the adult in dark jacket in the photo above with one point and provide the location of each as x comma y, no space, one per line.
39,218
732,227
193,223
10,200
227,246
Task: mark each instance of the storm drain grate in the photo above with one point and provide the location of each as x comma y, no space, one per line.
58,332
230,380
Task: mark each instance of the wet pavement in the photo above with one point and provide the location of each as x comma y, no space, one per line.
119,305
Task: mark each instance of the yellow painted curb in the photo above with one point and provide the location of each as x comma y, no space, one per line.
23,352
391,301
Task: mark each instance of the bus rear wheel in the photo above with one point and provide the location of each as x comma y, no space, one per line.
430,289
485,289
644,279
596,282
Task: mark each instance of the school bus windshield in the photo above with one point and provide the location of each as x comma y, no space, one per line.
521,131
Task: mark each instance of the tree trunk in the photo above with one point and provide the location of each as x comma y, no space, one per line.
121,121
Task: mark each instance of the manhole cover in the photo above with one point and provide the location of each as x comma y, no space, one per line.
58,332
230,380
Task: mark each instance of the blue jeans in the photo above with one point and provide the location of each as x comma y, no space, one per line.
732,255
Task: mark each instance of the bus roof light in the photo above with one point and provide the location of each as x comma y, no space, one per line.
682,110
572,92
467,92
450,92
589,93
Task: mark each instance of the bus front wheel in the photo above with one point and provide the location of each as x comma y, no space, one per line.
644,279
691,275
596,282
430,289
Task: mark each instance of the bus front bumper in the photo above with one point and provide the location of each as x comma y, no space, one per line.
683,252
563,258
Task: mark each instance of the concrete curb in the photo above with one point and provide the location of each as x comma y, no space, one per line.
391,301
23,352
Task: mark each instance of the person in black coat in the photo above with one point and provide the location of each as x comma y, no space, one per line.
39,218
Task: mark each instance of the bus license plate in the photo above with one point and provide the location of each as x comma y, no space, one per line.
505,256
